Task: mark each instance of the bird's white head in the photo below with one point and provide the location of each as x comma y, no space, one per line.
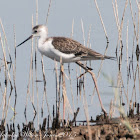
40,31
37,31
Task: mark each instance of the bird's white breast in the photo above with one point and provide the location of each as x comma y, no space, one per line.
46,48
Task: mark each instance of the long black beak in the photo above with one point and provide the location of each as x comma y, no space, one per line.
25,40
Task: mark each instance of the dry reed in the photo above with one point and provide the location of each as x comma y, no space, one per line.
36,77
101,20
45,92
48,12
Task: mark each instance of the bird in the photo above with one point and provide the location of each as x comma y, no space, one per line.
62,49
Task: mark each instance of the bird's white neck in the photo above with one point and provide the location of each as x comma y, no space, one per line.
43,35
43,38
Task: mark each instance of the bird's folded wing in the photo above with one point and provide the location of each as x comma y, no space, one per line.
69,46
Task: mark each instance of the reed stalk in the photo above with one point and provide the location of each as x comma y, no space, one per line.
9,53
36,66
69,70
4,55
48,12
86,113
6,80
29,80
14,72
45,92
101,20
66,103
127,65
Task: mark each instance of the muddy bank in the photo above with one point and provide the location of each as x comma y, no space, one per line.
101,128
